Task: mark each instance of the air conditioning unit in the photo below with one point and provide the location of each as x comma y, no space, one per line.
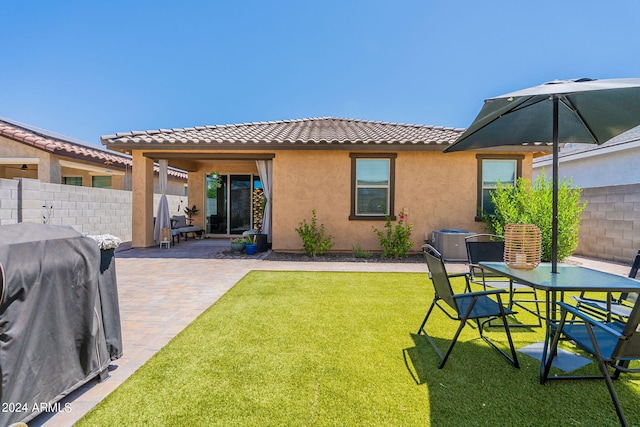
451,244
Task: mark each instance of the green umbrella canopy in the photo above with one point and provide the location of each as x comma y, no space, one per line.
558,112
589,111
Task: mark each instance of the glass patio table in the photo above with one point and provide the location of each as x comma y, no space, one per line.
569,278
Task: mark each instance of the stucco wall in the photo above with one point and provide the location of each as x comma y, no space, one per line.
610,227
88,210
437,190
617,165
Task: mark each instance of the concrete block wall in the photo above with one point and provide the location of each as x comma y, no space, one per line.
610,227
8,201
86,209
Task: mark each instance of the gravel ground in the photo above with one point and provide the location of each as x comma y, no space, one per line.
341,257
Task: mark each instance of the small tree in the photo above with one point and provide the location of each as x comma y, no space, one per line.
395,240
314,241
533,204
191,212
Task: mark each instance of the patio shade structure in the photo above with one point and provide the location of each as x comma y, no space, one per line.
558,112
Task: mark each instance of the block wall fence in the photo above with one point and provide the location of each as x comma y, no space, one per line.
86,209
610,227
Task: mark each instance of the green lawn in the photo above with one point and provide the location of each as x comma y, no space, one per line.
316,349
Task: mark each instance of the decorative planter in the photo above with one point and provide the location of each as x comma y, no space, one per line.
261,240
522,246
237,247
251,248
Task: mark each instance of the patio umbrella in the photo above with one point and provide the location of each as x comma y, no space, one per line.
557,112
162,217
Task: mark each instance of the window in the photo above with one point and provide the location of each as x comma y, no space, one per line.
101,181
72,180
372,186
491,170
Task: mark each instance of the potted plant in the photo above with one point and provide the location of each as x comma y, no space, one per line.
237,245
250,246
190,212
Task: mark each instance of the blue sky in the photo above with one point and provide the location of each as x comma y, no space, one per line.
86,69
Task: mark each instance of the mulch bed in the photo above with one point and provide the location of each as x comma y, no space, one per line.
341,257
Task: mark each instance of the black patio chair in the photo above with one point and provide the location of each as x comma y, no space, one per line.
463,307
490,247
619,307
613,345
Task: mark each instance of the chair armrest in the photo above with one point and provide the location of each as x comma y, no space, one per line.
480,293
573,310
450,275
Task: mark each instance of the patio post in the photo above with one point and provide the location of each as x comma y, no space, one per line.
142,201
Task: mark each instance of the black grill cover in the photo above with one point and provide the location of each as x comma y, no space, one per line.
52,338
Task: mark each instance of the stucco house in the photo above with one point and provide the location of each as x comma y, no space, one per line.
27,151
353,173
609,177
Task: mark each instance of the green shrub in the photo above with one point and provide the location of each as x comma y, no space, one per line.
314,241
358,252
533,204
395,240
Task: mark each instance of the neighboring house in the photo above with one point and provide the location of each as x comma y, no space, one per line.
30,152
353,173
610,178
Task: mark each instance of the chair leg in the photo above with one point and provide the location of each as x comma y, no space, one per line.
607,377
612,391
553,350
604,370
421,330
424,322
453,342
514,357
535,295
520,302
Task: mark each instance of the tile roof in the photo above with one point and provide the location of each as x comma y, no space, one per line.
297,133
67,146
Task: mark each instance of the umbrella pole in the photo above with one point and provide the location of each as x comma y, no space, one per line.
554,224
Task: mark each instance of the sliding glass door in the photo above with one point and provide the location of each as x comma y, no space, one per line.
229,208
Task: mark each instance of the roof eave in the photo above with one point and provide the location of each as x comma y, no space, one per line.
125,147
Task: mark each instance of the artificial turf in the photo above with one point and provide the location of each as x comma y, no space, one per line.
316,349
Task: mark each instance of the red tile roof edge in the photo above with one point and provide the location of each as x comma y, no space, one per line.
24,135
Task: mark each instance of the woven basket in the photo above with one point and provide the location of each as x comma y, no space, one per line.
522,246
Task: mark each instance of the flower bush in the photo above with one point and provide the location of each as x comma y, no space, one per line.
314,241
395,240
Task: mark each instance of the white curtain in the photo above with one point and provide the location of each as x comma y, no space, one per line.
265,170
162,217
